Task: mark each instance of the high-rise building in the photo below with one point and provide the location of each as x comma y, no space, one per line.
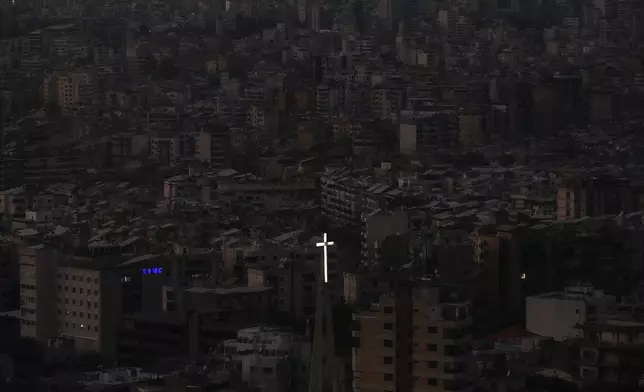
428,129
415,338
211,145
79,299
70,91
68,297
592,196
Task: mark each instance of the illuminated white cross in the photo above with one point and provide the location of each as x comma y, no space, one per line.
325,244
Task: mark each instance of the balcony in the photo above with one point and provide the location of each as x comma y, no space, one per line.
457,335
454,351
455,323
454,368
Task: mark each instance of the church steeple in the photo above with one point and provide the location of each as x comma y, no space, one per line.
325,375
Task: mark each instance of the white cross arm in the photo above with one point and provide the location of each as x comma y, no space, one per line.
325,244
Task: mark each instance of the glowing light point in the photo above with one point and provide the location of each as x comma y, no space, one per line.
325,244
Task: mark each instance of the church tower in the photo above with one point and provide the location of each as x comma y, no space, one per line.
326,370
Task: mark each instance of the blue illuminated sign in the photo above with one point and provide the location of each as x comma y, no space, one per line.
152,271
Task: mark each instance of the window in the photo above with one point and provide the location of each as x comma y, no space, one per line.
267,370
432,365
432,330
432,381
388,309
389,377
432,347
389,343
355,341
388,360
388,326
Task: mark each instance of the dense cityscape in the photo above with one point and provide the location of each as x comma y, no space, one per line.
307,196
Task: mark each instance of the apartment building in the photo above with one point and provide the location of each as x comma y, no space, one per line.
263,356
71,91
415,338
341,197
594,196
165,149
37,165
211,146
247,189
612,348
88,307
428,129
68,297
38,293
557,315
349,198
